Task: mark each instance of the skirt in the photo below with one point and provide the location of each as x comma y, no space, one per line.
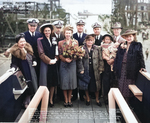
68,77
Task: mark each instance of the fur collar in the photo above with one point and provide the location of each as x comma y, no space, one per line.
20,53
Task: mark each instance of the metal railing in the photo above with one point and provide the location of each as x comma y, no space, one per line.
6,75
115,95
41,94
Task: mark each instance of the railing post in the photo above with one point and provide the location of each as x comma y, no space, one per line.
112,107
115,95
41,94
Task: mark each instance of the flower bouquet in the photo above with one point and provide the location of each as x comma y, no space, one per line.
73,51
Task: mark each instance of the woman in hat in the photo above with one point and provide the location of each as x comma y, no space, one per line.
89,69
129,60
22,58
68,79
48,52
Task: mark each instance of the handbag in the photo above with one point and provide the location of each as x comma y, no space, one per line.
84,77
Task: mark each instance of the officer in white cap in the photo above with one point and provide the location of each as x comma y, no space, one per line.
97,30
31,37
58,30
80,37
58,33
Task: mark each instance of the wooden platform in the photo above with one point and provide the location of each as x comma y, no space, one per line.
79,113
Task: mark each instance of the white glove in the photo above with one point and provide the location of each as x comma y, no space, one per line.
53,61
56,59
11,70
34,63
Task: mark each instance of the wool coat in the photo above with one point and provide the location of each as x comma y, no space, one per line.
135,60
98,66
24,62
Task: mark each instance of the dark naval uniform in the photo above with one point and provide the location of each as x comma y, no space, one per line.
32,40
98,40
59,37
80,38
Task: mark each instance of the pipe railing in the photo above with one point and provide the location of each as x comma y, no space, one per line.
41,94
115,95
6,75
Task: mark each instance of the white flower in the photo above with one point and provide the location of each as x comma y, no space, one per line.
54,42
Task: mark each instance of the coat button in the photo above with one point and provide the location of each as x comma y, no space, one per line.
90,62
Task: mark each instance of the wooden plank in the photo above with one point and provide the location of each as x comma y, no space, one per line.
114,94
41,94
146,74
136,91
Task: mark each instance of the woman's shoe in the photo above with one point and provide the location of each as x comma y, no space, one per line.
51,105
70,104
87,103
106,102
99,103
65,104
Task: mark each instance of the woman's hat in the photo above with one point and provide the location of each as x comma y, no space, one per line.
129,32
117,25
43,26
90,36
108,36
17,38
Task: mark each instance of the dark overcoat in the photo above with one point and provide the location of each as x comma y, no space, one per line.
24,64
33,42
135,60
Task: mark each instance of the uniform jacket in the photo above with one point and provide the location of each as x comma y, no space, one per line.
80,40
59,38
135,60
33,41
98,41
98,66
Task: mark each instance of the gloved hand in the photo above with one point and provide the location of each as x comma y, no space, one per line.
34,63
53,61
11,70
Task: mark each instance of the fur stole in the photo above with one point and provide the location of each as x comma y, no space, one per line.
19,53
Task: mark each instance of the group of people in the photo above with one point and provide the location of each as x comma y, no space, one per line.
40,57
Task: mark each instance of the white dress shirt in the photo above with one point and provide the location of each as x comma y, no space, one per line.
32,33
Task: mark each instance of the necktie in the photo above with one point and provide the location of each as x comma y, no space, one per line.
115,39
79,35
32,34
